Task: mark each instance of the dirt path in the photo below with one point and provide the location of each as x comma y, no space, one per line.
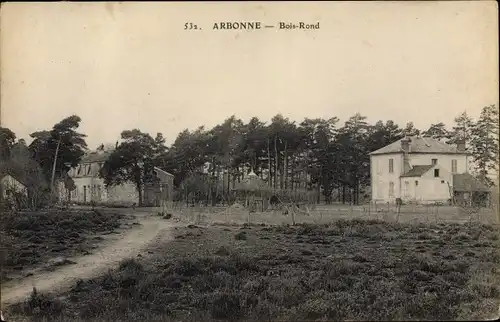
122,246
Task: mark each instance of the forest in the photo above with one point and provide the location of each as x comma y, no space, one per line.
315,155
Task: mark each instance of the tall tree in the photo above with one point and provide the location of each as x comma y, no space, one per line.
189,152
317,136
252,152
484,143
462,130
131,161
382,134
437,131
354,149
410,130
63,143
7,140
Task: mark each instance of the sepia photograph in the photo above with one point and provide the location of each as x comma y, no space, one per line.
249,161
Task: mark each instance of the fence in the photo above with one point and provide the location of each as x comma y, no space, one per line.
323,214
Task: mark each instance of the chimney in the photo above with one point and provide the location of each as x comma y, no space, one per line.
461,145
405,146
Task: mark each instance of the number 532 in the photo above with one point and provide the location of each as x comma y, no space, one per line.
190,26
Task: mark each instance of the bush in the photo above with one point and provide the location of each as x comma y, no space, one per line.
241,236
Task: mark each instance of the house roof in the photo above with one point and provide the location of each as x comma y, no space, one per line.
96,156
465,182
29,176
3,175
163,171
252,183
420,144
417,170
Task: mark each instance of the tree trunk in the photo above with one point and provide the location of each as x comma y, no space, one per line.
285,165
139,192
228,185
269,163
54,166
276,159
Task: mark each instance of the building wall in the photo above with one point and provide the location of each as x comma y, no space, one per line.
429,189
381,177
444,160
90,188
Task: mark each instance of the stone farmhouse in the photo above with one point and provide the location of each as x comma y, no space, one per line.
90,188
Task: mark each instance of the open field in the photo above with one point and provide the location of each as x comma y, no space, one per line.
349,270
33,241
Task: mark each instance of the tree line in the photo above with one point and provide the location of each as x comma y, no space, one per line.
317,155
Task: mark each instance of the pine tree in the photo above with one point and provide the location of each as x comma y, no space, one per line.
484,143
462,129
437,131
410,130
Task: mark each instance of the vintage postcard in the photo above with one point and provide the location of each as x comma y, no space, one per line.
249,161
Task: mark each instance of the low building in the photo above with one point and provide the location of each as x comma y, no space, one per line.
89,187
423,170
161,190
9,186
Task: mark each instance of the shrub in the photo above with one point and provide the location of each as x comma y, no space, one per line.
241,236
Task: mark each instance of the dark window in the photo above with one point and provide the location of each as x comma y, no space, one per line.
416,182
442,181
434,161
391,165
436,173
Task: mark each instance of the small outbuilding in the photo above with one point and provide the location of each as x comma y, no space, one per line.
469,191
253,192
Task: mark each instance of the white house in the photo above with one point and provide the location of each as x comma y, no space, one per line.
422,170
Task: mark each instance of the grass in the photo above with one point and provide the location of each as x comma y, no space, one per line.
349,270
31,239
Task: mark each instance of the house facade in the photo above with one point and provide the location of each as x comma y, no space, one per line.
420,169
90,188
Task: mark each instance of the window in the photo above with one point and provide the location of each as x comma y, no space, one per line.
442,181
416,183
79,169
407,189
436,173
88,168
391,165
434,161
454,166
391,189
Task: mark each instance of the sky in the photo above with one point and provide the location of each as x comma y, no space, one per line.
132,65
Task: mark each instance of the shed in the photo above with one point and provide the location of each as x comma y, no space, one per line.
469,190
253,192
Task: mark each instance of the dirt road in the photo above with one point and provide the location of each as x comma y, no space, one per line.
113,250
